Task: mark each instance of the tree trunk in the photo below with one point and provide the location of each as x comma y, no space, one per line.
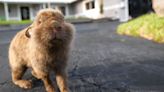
158,6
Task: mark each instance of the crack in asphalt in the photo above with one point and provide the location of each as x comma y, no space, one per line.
123,88
73,72
3,83
100,86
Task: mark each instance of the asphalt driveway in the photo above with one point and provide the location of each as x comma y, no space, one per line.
100,61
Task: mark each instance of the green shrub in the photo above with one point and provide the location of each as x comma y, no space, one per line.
148,26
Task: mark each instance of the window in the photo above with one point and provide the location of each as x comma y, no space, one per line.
62,9
93,4
90,5
87,6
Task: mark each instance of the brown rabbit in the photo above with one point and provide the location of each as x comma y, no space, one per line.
43,47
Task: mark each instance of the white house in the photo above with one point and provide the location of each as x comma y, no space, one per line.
27,9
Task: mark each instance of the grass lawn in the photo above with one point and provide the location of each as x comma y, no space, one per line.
15,22
148,26
69,19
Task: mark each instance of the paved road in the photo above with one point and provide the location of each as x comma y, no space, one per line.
101,61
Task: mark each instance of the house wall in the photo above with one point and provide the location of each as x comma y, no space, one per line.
64,8
80,9
111,8
108,3
13,14
124,11
34,8
72,9
117,9
2,12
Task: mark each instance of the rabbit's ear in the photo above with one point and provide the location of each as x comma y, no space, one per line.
27,33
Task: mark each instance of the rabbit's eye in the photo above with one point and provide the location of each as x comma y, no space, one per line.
58,28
